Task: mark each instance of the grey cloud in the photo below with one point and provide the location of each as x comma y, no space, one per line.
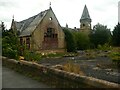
8,3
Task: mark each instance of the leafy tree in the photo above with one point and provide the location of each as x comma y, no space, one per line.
70,43
82,40
100,35
10,44
116,35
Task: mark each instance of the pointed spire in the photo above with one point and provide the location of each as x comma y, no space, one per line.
85,14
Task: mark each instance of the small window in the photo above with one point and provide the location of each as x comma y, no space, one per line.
50,18
21,40
83,24
27,40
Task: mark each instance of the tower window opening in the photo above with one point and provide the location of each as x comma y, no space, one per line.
83,24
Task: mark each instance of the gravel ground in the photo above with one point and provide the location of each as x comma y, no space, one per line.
100,67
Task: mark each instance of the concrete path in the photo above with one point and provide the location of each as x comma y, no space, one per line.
12,79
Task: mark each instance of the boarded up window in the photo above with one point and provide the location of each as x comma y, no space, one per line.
50,39
28,42
21,40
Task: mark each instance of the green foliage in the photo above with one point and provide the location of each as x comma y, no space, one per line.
51,55
70,43
90,54
10,44
116,35
31,56
11,53
104,47
100,35
115,56
82,40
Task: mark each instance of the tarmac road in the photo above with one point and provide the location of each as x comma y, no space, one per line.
12,79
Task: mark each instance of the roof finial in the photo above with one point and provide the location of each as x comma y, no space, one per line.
66,25
50,5
13,16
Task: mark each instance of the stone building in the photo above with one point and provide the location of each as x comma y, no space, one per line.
41,32
85,21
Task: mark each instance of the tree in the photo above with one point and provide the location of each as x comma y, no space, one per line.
100,35
10,44
82,40
70,43
116,35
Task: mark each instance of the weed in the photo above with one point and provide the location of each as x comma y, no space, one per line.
71,67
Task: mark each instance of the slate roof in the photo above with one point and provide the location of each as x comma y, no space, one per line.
85,14
26,27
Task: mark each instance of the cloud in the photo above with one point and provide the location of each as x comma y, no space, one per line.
67,11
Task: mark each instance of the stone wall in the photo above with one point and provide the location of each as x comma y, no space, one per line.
59,77
38,42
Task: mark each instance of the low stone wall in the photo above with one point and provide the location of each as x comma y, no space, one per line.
54,75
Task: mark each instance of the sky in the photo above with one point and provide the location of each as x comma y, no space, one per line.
67,11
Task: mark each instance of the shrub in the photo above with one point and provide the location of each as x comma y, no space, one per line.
31,56
81,40
10,53
70,42
104,47
115,56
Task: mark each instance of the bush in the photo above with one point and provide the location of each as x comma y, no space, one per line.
104,47
81,40
10,53
115,56
70,42
31,56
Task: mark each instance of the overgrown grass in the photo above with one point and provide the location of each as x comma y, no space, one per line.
90,54
104,47
115,56
74,68
51,55
58,55
31,56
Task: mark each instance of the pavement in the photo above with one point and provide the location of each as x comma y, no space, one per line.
12,79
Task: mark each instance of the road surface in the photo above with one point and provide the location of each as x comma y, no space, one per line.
12,79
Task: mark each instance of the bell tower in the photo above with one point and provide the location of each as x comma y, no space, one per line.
85,21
